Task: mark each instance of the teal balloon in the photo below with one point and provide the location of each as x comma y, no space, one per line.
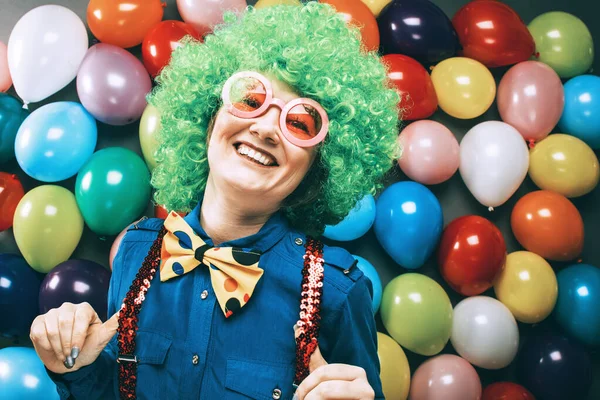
357,222
112,190
23,376
370,272
12,115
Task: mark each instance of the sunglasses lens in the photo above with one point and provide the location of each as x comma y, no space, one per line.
304,121
247,94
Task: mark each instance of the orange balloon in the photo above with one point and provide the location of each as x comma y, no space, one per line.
358,14
548,224
123,23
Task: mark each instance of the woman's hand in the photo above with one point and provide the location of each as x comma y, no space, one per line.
71,336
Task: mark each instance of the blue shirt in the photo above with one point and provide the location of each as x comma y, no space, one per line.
187,349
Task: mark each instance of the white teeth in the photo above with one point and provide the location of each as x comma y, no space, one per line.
255,155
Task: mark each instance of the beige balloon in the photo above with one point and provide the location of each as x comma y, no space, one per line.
395,371
149,126
376,5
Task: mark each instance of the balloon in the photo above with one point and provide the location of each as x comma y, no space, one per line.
531,99
112,85
43,215
577,306
112,189
554,368
356,224
548,224
484,332
370,272
493,33
270,3
580,116
149,127
161,41
357,14
40,66
417,95
19,293
55,141
162,213
527,286
114,248
465,88
418,29
123,23
12,115
11,193
374,5
395,371
447,377
493,162
471,254
203,15
408,223
417,313
430,152
506,391
24,376
5,79
564,164
563,42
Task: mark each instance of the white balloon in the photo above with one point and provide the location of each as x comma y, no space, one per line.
484,332
494,160
45,49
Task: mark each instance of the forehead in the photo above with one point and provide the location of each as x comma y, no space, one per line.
281,90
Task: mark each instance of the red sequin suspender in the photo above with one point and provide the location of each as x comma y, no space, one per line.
308,324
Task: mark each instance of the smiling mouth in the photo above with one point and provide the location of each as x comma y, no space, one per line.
255,156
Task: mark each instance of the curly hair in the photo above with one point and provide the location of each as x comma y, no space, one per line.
310,48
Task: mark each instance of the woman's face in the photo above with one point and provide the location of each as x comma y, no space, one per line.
253,157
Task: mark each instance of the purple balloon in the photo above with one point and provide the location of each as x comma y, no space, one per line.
76,281
112,84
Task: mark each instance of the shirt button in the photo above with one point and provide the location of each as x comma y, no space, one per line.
276,394
195,359
299,241
204,294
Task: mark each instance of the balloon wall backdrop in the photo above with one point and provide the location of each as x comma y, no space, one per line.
481,250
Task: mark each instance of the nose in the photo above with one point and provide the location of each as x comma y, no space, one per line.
266,126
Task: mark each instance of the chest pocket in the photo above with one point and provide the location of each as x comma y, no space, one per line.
152,372
250,379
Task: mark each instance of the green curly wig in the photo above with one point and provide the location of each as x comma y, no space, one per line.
310,48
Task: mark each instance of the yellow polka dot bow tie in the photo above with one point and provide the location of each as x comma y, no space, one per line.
234,272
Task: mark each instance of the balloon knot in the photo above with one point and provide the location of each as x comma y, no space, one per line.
26,106
490,208
579,260
163,5
536,54
431,67
531,143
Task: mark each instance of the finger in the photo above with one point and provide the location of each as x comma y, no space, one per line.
107,330
316,361
65,328
53,334
38,335
337,390
330,372
85,316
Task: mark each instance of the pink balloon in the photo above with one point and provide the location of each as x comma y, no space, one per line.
112,84
115,246
447,377
5,79
531,99
203,15
431,152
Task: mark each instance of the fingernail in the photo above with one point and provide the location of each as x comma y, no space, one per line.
74,353
69,362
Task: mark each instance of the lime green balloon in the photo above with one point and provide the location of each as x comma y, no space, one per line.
563,42
112,190
417,313
149,126
47,226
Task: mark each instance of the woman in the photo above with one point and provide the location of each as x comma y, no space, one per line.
271,129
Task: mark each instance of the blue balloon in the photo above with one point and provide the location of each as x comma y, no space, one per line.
409,223
581,115
370,272
357,222
55,141
22,376
12,115
577,308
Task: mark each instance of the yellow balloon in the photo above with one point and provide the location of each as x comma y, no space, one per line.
47,226
564,164
376,5
465,88
395,371
527,286
269,3
149,126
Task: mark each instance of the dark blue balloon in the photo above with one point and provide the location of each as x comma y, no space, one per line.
12,115
19,291
418,29
554,367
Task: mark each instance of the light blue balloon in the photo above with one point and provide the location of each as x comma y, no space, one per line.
370,272
577,308
581,115
409,223
55,141
357,222
23,377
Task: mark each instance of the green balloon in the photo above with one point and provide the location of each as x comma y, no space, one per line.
417,313
563,42
149,127
112,190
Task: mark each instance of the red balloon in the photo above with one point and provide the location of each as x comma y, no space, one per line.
11,193
493,33
162,213
160,42
472,253
506,391
411,79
